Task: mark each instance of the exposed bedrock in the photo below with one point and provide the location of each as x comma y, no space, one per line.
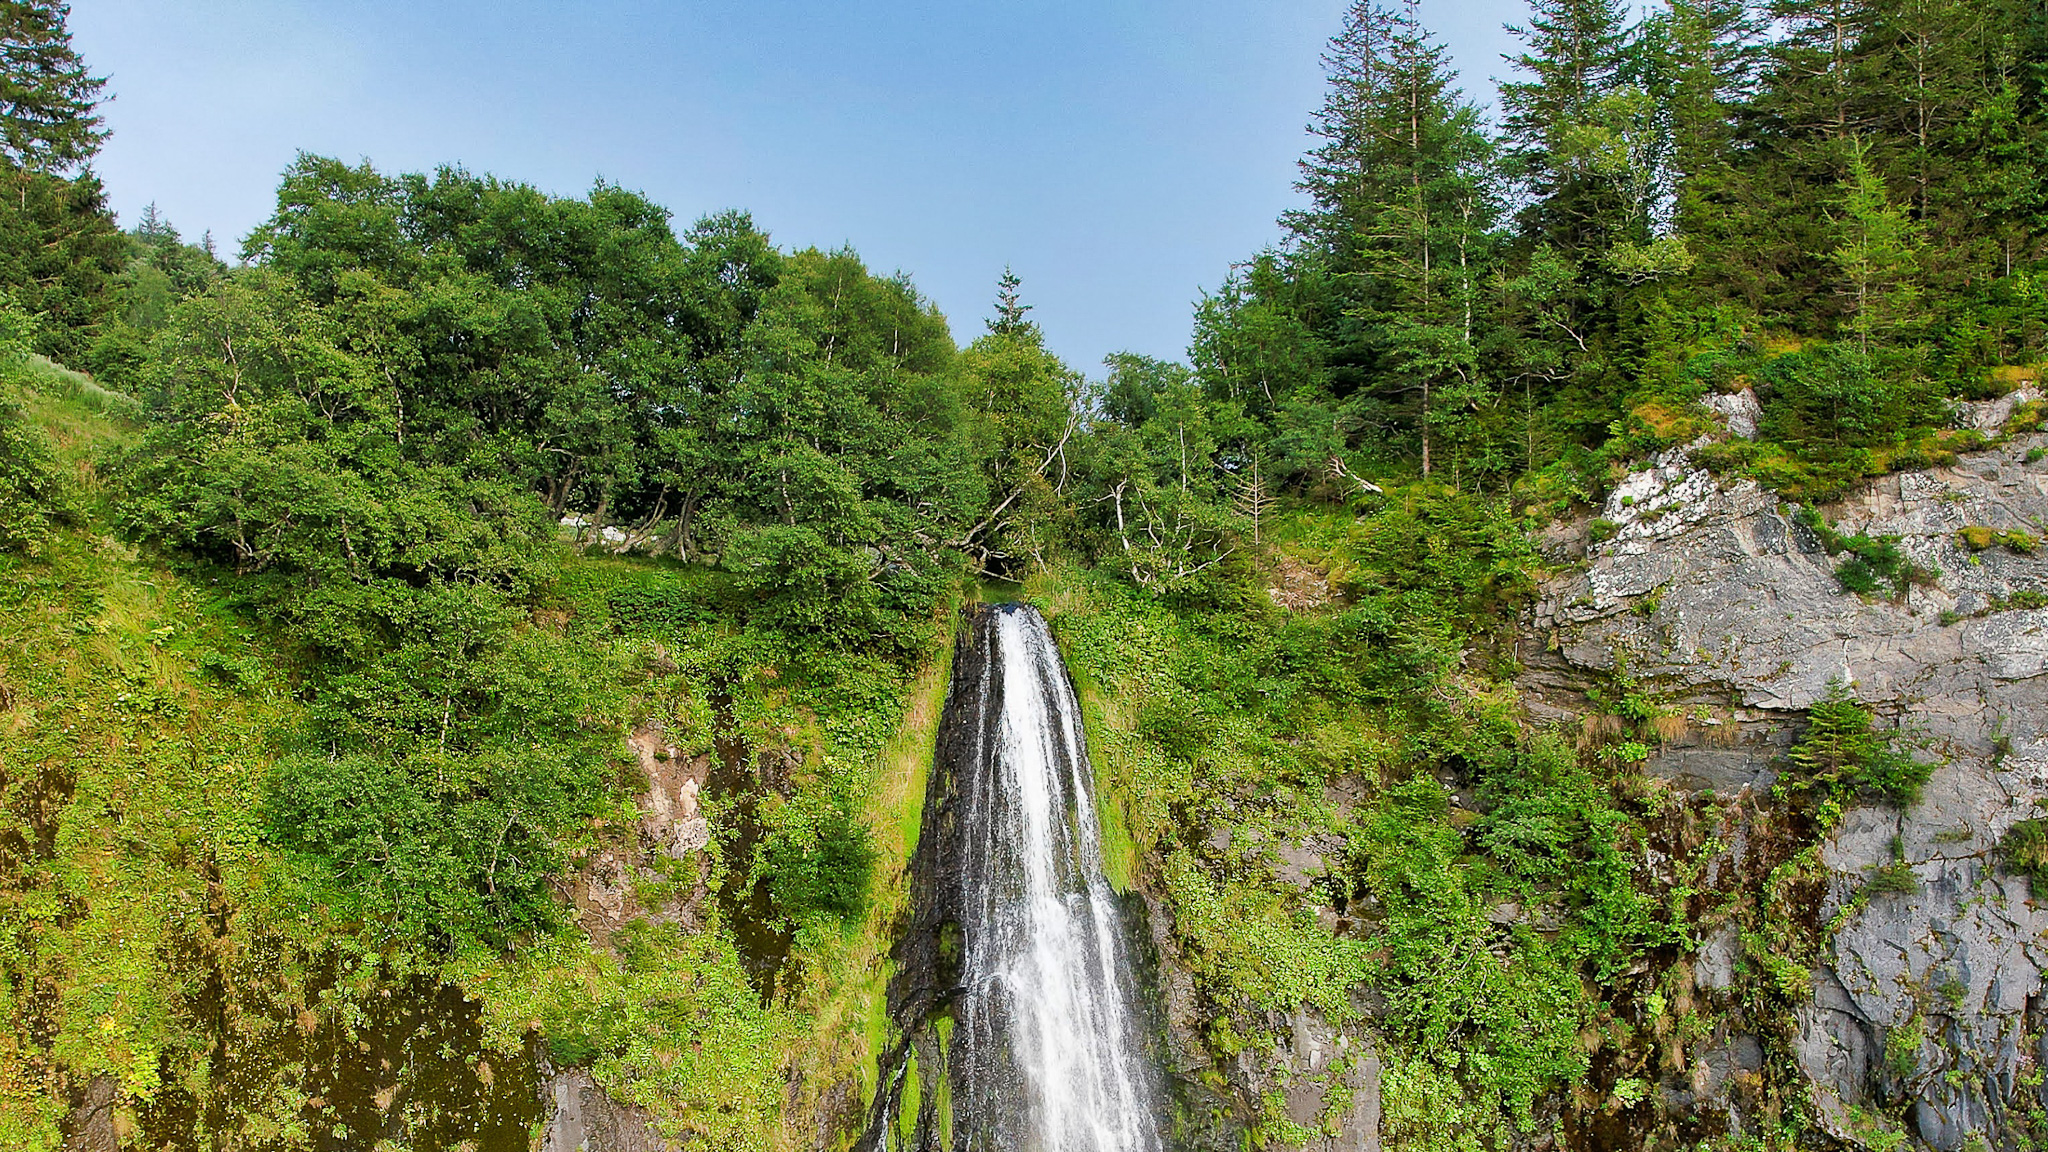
1714,596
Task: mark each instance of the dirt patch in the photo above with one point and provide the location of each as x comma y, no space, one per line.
1298,586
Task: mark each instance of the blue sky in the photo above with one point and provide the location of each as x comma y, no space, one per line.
1120,154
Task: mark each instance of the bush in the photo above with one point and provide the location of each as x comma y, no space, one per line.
2023,851
1872,564
33,495
819,856
1826,402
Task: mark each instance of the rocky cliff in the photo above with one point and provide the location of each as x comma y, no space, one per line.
1927,1003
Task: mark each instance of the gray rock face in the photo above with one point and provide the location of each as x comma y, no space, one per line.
582,1117
1714,596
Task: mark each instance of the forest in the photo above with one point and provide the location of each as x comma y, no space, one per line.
339,563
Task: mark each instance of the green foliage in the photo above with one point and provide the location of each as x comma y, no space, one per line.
1841,756
34,496
1871,565
1902,1046
1552,825
1832,405
48,99
1252,944
59,253
819,857
2023,851
1517,1016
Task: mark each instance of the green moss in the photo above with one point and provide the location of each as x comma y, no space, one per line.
1894,879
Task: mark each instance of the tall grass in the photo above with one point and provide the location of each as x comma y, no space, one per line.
52,379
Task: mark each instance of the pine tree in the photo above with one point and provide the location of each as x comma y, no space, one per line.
48,99
1879,254
1009,320
1404,204
1714,48
1572,54
1819,72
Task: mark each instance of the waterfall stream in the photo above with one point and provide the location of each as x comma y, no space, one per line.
1018,938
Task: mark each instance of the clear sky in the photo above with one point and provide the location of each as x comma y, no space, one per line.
1119,154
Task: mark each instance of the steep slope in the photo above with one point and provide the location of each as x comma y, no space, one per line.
1925,1010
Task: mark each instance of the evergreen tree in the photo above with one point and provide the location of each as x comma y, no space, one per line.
60,250
1712,52
59,245
1571,57
1404,205
1009,318
48,99
1878,256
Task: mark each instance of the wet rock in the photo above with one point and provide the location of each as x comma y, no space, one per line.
1317,1057
583,1117
1714,967
1304,865
94,1125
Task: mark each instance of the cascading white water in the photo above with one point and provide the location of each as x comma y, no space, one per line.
1048,1042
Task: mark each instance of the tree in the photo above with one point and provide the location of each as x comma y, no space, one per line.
1572,56
1027,409
48,99
1712,51
1009,318
60,251
1878,255
1403,200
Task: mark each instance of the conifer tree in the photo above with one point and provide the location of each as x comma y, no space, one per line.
1571,56
1404,203
1878,256
48,99
1009,319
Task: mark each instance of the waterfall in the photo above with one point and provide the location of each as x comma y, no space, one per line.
1017,937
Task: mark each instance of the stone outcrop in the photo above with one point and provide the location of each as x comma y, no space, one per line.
582,1117
672,825
1718,600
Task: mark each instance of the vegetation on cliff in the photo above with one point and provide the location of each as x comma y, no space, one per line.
332,599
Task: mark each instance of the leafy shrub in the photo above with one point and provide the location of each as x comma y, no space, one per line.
2023,851
1871,564
819,857
436,847
33,495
